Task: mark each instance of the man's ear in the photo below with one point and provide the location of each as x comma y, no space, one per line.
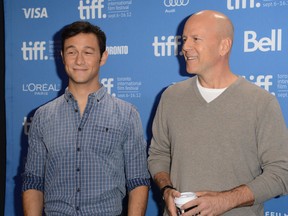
104,58
63,60
226,45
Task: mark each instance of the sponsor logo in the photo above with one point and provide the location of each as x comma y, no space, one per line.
26,124
117,50
35,13
242,4
167,46
119,9
128,88
275,3
40,88
34,50
40,50
282,87
108,83
269,213
122,87
265,44
276,85
263,81
91,10
102,9
175,3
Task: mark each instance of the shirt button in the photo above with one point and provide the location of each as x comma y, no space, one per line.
78,189
77,208
76,110
78,149
79,129
78,169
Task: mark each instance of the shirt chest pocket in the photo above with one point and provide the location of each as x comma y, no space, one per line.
105,140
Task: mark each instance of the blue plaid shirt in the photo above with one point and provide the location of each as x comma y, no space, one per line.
84,164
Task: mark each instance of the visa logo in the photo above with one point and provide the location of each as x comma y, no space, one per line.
35,13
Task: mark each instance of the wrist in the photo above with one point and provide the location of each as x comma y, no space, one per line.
163,189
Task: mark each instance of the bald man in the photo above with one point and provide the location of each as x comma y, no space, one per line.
217,134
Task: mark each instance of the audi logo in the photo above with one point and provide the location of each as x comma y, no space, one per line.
176,3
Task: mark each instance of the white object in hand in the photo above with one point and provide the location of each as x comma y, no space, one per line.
184,198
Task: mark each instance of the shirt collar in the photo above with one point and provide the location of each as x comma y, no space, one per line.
98,95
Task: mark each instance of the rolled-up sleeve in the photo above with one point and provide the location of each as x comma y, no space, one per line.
33,176
135,153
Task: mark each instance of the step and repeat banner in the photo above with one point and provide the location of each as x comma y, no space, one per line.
144,45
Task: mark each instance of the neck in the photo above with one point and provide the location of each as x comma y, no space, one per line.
217,79
81,93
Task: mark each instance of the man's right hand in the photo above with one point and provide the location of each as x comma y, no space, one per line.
168,196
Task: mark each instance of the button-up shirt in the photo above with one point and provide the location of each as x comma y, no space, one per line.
84,164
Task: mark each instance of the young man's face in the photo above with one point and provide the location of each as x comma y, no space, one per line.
82,60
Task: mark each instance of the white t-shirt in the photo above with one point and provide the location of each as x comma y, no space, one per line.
209,94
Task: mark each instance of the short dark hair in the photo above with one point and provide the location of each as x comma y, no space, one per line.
84,27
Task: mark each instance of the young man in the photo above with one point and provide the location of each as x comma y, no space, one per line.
217,134
85,147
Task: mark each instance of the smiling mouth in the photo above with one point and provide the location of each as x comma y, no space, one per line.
79,69
191,57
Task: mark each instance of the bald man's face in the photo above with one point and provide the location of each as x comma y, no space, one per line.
201,44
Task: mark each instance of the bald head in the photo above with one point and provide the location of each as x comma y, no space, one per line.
207,42
214,21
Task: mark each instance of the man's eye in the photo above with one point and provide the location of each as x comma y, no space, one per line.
70,53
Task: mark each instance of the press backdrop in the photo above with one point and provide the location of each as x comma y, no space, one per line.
144,45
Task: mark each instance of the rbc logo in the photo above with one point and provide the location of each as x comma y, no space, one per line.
262,81
91,9
35,13
166,45
265,44
34,50
175,3
108,83
235,4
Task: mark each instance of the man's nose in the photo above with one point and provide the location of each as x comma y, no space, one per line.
79,59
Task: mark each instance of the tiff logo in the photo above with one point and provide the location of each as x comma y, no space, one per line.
34,50
262,81
26,124
91,9
265,44
166,45
108,83
35,13
241,4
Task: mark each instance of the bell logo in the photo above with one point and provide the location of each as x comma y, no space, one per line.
265,44
241,4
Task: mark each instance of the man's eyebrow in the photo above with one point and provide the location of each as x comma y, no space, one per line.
71,46
86,47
